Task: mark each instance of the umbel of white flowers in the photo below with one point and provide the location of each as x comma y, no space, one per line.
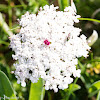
48,46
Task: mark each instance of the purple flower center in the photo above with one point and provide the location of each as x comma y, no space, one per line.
46,42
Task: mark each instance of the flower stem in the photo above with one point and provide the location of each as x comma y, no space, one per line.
89,19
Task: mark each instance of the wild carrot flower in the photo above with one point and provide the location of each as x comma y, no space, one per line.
48,46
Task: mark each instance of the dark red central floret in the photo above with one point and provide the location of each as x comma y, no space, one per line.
46,42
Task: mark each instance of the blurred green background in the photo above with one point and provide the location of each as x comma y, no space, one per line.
85,88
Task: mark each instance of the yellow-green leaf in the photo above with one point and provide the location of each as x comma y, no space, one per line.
37,90
95,86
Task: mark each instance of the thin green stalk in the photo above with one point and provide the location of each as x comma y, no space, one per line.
4,26
98,96
10,13
90,19
70,91
52,2
49,96
15,28
60,5
63,4
80,65
94,60
22,3
43,91
91,56
16,6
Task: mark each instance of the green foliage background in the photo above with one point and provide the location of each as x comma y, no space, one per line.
85,88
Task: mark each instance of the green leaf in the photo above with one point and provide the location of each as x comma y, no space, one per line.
86,80
37,90
74,87
6,89
93,93
63,4
5,68
95,86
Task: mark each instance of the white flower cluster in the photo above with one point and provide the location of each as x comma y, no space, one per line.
48,46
